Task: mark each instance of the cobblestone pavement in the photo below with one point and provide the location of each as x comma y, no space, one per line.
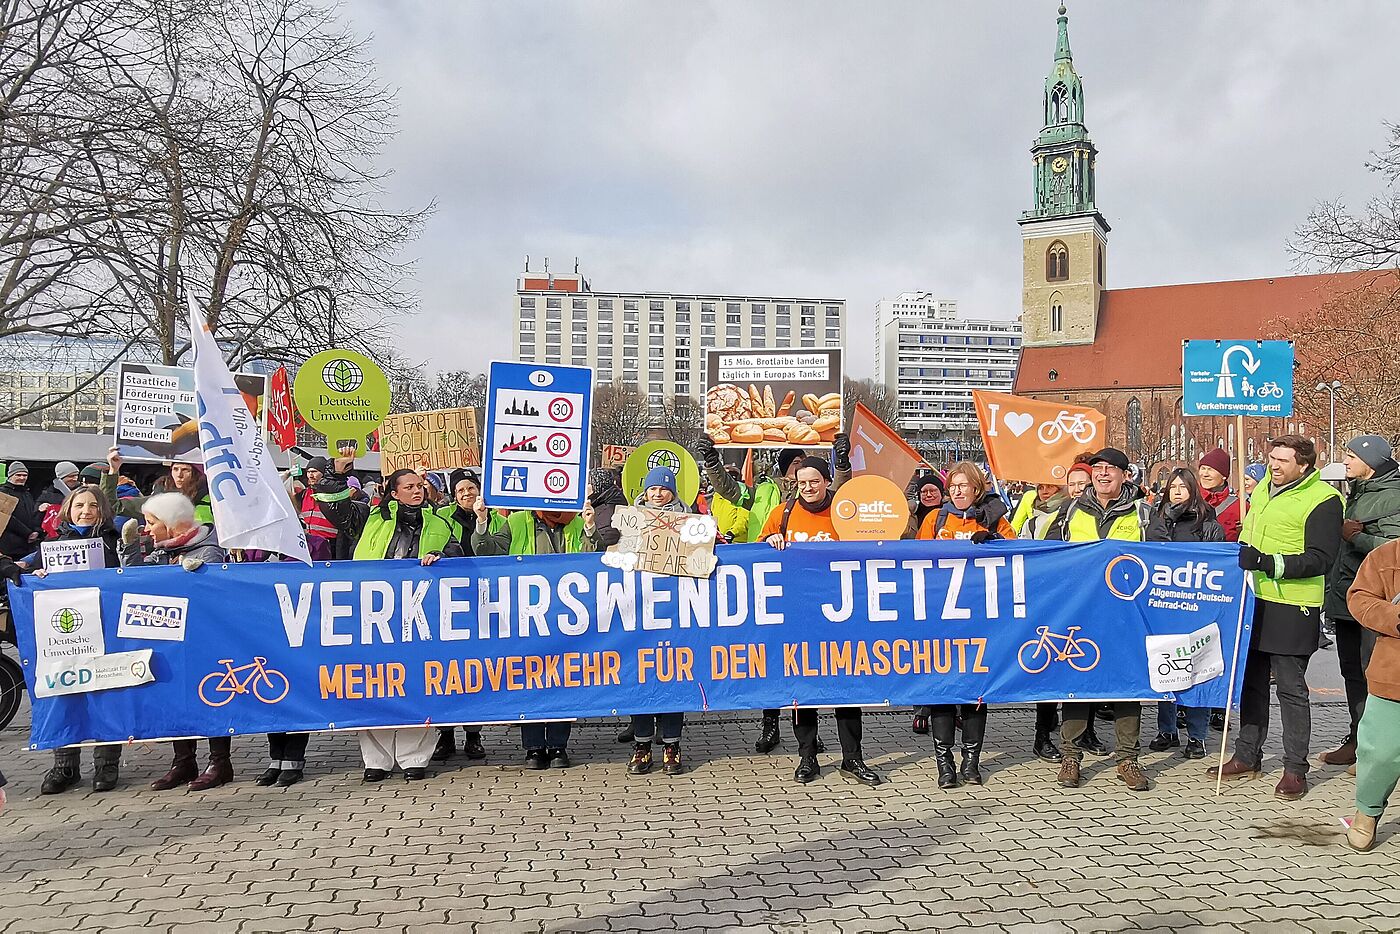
733,844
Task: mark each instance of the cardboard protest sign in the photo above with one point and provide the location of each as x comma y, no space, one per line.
869,508
7,508
79,554
342,394
614,455
680,544
1035,441
772,398
876,449
442,439
158,418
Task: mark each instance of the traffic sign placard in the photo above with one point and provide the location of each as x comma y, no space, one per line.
1237,378
535,446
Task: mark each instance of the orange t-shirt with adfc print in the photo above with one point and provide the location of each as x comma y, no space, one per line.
802,526
959,527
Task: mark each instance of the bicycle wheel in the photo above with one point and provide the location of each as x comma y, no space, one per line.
271,687
1089,660
1035,645
217,677
1050,432
11,689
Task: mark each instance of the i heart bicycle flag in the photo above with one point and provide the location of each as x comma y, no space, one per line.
877,449
1034,441
262,648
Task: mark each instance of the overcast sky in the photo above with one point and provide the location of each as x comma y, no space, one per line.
854,149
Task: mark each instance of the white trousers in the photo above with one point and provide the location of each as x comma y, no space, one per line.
410,748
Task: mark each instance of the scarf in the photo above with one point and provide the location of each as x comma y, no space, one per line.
821,505
181,540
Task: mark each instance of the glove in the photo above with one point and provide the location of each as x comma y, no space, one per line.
191,564
131,532
705,451
982,535
609,536
1252,559
841,451
1351,528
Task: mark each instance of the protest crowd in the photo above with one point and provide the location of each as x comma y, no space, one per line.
1312,552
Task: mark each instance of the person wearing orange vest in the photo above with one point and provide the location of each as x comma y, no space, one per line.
807,518
321,533
972,513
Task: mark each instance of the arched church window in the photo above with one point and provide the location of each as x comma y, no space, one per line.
1134,429
1057,262
1057,314
1059,104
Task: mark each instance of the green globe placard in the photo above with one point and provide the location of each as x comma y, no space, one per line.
342,394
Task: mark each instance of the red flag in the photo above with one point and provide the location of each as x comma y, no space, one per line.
282,419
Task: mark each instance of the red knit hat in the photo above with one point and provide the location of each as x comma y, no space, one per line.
1219,459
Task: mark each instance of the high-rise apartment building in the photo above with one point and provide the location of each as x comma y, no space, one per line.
657,340
932,359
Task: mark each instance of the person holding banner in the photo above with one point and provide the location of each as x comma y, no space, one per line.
1047,501
400,527
84,515
1372,601
1214,474
538,532
181,539
927,493
1291,536
1109,509
807,518
1183,515
460,516
972,513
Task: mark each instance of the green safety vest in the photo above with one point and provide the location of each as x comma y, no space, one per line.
1023,511
522,533
379,531
1084,525
495,521
1276,526
766,497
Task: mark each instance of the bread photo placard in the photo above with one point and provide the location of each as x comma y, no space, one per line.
779,398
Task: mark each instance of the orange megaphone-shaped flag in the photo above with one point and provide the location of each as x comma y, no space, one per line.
1035,441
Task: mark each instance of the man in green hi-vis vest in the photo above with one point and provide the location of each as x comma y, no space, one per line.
1289,540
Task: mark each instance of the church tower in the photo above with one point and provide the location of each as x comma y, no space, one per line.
1064,238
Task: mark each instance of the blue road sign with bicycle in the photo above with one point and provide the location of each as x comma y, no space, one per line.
1237,378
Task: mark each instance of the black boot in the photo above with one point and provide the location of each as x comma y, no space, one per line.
971,771
106,762
1045,747
446,746
768,737
472,746
65,772
947,769
807,770
1090,742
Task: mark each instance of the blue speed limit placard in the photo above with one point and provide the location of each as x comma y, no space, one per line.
536,443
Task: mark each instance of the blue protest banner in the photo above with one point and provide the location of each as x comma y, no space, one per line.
1237,378
255,648
537,435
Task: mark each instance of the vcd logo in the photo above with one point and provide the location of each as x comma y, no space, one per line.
150,616
1127,576
69,678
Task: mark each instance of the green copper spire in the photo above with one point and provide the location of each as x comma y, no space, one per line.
1062,44
1064,154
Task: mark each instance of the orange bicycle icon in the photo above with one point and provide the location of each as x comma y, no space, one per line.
1082,653
268,684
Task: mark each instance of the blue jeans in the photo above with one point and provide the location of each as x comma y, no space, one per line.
551,735
1197,720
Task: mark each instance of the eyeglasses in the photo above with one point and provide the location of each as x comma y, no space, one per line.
960,486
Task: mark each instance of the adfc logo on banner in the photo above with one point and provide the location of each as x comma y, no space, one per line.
1035,441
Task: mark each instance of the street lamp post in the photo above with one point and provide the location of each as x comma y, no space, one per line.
1331,388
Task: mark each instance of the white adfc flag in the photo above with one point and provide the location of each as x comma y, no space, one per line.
251,508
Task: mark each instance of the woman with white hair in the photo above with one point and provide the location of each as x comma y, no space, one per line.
180,539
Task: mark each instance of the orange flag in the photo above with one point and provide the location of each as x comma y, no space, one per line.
1035,441
747,474
877,449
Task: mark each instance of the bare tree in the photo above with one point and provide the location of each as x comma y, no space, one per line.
621,415
683,420
874,396
1334,238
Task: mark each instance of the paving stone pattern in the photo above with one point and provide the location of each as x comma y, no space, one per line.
733,844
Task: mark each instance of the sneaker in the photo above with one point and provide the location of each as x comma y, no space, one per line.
1069,772
1194,749
640,763
671,759
1131,774
536,759
1164,741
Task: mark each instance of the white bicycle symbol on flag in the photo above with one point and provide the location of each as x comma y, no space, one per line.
1077,426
